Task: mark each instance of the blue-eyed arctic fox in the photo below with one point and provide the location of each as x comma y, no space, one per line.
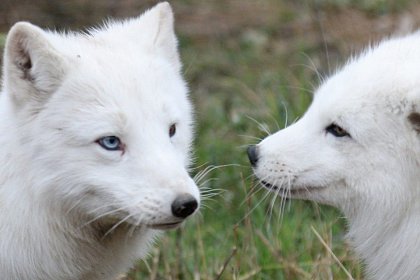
358,148
96,132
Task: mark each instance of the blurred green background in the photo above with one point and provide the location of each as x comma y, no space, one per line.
252,67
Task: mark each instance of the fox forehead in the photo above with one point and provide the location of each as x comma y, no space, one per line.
125,80
106,92
113,104
382,79
120,61
144,78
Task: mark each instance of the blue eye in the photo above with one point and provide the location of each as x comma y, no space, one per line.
110,143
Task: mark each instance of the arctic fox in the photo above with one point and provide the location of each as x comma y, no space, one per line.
96,131
358,148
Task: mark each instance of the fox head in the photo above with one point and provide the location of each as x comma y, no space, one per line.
357,146
102,120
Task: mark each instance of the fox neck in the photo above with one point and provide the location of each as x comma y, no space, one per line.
387,238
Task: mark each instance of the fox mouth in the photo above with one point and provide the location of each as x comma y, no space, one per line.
165,226
269,186
117,223
278,190
289,192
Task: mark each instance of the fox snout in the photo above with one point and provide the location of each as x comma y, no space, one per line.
253,155
184,205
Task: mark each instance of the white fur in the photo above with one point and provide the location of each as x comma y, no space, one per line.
372,176
70,209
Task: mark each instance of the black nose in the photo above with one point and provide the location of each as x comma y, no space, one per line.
253,154
184,205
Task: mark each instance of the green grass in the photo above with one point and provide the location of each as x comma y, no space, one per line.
241,88
233,83
2,40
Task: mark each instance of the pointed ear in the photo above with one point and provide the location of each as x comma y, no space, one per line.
414,119
33,69
158,24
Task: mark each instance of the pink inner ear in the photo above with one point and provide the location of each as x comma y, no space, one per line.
414,119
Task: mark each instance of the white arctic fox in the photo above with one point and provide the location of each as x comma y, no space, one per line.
95,139
358,148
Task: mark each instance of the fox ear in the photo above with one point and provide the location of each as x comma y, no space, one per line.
33,69
414,119
161,18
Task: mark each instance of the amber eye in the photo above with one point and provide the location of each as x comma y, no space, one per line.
336,130
172,130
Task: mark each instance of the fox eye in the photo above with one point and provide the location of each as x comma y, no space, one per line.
336,130
172,130
110,143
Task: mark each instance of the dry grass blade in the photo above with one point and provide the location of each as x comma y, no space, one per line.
228,259
250,274
332,253
155,265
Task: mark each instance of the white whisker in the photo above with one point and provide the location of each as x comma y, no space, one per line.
261,126
256,206
116,225
251,137
75,204
103,215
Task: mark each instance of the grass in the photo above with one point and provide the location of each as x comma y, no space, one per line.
2,40
241,89
246,82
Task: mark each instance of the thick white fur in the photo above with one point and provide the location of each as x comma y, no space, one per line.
373,176
70,209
